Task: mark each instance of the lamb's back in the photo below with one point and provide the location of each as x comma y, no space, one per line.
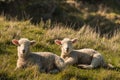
42,58
85,55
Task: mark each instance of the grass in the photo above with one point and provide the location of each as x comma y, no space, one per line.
45,36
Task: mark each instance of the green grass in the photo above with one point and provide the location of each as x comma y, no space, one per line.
87,38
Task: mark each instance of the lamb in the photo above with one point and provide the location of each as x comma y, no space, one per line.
46,61
84,58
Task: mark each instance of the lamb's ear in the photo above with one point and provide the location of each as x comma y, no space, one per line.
15,42
58,42
32,42
74,40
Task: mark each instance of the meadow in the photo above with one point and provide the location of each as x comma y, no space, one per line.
96,26
87,38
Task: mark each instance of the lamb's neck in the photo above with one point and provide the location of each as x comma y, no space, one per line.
21,59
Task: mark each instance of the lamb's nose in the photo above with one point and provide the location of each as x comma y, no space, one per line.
23,51
67,49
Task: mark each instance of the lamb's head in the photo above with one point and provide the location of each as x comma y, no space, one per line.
23,45
66,45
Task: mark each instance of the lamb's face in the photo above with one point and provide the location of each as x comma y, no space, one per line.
66,45
23,45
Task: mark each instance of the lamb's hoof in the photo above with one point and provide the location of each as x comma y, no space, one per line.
111,66
80,66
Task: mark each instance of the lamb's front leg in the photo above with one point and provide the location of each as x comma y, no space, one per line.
85,66
19,67
70,61
20,64
95,62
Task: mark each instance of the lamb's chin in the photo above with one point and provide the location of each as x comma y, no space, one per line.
21,55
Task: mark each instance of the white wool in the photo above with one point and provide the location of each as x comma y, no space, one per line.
46,61
83,58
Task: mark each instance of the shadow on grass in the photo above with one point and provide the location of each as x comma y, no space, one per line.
69,76
116,69
3,49
102,25
5,76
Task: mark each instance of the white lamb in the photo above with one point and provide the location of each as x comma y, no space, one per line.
46,61
83,58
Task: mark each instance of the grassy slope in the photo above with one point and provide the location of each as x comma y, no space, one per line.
105,17
45,42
